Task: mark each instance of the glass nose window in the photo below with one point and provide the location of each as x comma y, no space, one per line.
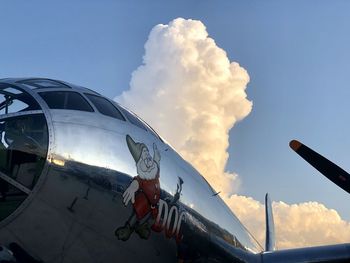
23,146
14,100
23,150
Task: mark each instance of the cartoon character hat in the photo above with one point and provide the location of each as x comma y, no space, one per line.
135,148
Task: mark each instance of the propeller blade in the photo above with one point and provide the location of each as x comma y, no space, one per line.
332,171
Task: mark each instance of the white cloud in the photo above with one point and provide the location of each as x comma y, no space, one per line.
190,92
297,225
186,81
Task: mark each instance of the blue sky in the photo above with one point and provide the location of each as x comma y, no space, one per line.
296,53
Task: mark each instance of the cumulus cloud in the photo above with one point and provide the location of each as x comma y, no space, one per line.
297,225
190,92
186,81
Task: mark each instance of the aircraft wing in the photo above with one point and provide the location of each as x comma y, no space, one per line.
331,253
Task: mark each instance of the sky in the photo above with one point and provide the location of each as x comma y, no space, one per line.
295,53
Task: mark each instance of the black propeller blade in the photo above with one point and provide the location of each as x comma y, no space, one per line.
333,172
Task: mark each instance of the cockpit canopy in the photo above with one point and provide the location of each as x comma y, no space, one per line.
23,146
24,136
15,100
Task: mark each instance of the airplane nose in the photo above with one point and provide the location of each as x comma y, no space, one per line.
23,146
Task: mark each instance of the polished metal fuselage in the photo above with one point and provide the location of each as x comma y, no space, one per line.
76,206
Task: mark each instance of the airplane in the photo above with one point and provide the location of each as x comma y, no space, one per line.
83,179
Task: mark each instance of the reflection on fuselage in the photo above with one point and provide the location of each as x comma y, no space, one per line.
68,168
113,154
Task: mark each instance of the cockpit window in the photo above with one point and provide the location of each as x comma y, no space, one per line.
105,107
43,83
133,119
151,130
14,100
138,122
67,100
23,150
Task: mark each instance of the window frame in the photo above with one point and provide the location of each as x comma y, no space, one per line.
109,101
34,86
32,103
146,128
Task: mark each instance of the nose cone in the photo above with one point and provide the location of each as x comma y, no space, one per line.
23,146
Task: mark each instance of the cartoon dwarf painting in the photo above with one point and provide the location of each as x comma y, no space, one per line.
143,191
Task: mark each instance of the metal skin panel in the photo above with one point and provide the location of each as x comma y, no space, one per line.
76,213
